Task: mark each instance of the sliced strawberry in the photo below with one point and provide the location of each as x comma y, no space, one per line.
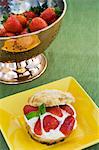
67,127
37,128
22,19
37,24
68,109
49,15
12,25
50,122
29,15
55,110
27,109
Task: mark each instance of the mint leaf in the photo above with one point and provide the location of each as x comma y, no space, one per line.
42,109
32,114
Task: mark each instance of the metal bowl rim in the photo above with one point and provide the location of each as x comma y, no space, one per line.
37,32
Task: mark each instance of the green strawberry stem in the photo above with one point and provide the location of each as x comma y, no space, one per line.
5,17
37,10
58,11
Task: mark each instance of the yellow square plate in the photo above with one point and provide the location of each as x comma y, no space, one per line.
13,127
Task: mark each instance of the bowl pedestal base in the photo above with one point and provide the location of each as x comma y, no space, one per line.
24,71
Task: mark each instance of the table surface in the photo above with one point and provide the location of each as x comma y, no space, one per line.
74,52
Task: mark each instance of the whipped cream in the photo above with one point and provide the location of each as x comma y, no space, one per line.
52,134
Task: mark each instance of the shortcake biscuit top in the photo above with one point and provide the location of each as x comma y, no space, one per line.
51,98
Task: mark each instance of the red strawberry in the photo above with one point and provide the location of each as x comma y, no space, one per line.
22,19
55,110
29,15
37,128
27,109
49,15
2,32
25,31
49,123
67,108
68,125
9,34
37,24
13,25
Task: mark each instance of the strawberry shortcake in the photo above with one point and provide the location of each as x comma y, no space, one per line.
49,116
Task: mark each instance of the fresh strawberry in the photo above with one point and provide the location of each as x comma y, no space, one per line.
9,34
22,19
55,110
29,15
49,15
37,24
68,109
37,128
28,108
25,31
50,122
67,126
12,24
2,32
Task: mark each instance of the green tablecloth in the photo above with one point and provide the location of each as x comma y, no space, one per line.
74,52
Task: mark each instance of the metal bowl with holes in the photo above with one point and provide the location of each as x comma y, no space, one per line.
21,57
